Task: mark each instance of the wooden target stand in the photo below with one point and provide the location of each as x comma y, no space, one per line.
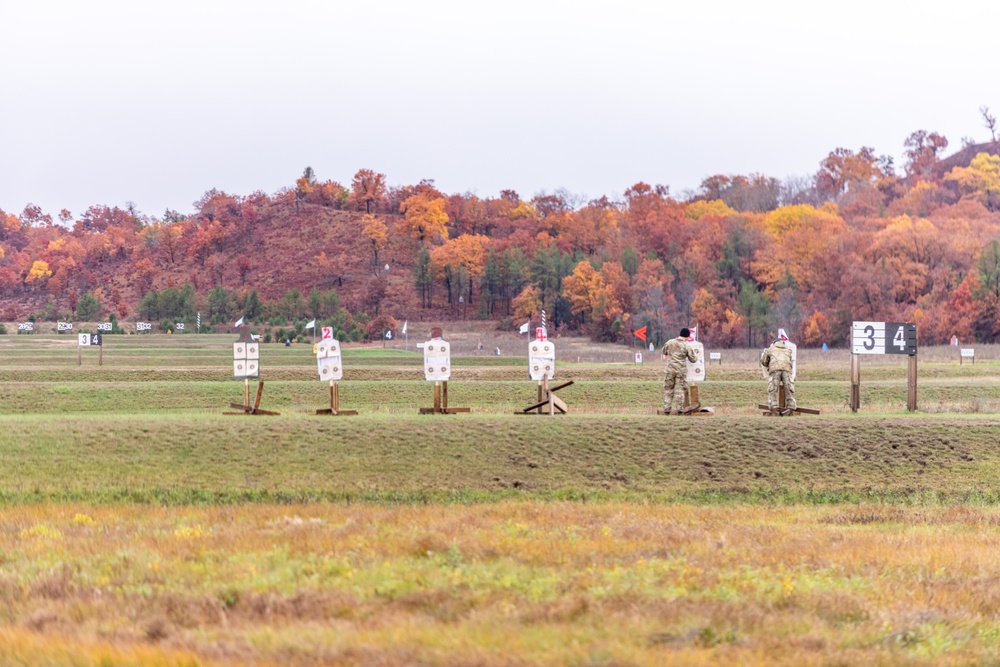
246,365
782,407
246,408
441,401
334,408
547,402
692,407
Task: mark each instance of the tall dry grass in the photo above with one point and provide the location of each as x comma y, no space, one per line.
500,584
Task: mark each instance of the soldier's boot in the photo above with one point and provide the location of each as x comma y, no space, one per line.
786,412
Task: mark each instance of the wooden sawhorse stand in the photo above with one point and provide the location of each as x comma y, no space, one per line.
246,408
690,400
547,397
334,408
781,406
441,401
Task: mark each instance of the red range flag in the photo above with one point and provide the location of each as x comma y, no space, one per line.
640,334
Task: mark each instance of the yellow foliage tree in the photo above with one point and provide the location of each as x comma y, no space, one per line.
527,303
468,250
424,218
377,233
695,210
39,270
980,180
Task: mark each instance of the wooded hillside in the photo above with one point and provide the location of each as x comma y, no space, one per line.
740,257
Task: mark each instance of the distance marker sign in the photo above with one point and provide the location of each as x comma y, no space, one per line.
883,338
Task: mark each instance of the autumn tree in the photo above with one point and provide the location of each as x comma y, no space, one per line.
377,234
922,151
424,219
367,187
989,121
423,276
304,186
980,180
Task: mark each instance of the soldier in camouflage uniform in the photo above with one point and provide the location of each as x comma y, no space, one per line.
677,352
777,359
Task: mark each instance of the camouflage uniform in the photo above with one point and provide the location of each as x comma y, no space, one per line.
677,353
777,359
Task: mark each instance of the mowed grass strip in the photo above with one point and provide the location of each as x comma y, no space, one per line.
499,584
74,395
201,458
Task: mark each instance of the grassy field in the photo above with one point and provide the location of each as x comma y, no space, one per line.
139,525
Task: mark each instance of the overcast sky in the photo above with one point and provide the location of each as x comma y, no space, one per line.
156,102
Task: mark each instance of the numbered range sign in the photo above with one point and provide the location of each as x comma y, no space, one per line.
86,340
143,326
64,326
26,326
179,326
246,359
541,357
104,326
328,360
968,352
696,369
437,360
883,338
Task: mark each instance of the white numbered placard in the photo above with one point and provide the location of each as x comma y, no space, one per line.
437,360
64,326
179,326
104,326
696,368
715,356
883,338
326,333
26,326
328,360
968,352
143,326
541,359
83,340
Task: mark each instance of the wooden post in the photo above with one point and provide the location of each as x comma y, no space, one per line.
444,396
911,383
100,355
79,355
694,393
541,396
260,390
334,397
437,396
855,382
549,395
246,393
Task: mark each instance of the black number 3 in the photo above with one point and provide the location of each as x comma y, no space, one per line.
869,337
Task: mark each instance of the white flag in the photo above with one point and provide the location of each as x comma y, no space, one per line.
239,322
311,325
524,327
404,325
254,336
